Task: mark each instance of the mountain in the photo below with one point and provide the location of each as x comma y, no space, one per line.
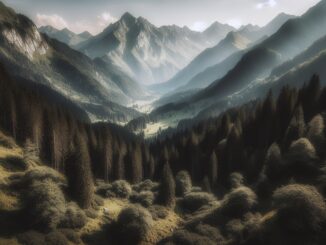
293,37
35,58
230,44
65,35
147,53
255,66
191,75
254,33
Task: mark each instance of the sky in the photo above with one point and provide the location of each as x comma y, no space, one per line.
95,15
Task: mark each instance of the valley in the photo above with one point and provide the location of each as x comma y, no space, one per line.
168,123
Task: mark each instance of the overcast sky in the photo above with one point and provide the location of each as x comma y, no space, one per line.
95,15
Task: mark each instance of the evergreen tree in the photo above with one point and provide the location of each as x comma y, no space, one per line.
166,195
79,175
213,170
296,128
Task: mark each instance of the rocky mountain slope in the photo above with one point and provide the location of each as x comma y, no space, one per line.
34,58
197,73
147,53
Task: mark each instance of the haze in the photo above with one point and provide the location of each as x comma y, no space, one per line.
95,15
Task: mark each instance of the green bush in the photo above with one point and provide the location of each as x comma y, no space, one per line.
145,198
301,209
56,238
158,212
45,204
71,235
74,217
210,232
195,200
119,189
146,185
42,173
185,237
238,202
133,224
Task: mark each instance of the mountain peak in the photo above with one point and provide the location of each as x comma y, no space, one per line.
127,17
85,34
48,29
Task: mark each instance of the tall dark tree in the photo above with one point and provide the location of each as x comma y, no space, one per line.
79,174
296,128
213,170
166,195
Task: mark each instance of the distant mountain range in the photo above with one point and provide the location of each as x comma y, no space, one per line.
290,56
65,35
101,90
147,53
206,72
233,42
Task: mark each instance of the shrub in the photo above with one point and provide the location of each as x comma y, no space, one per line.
185,237
302,150
146,185
31,238
74,217
236,180
210,232
158,212
42,173
91,213
196,200
119,189
183,183
133,224
145,198
239,201
56,238
234,229
102,188
71,235
302,160
45,204
301,209
315,134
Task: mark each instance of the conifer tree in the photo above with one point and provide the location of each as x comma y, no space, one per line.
296,128
213,170
166,194
79,174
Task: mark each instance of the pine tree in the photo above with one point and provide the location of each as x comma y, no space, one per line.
213,170
166,194
296,128
79,174
137,164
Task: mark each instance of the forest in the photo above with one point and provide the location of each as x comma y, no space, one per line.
254,175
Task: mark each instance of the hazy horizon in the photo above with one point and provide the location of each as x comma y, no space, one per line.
94,16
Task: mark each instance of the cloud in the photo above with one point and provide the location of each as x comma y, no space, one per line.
52,20
105,19
266,4
95,25
199,26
